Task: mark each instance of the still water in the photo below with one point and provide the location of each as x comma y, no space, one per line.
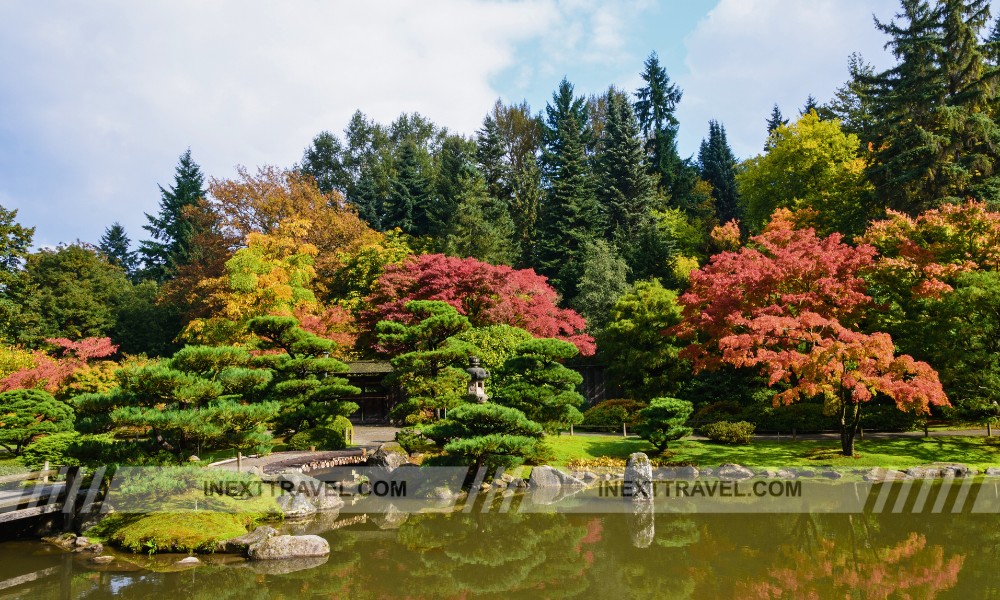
461,555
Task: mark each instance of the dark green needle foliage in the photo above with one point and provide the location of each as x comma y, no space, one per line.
429,363
536,382
663,421
172,230
204,397
487,435
306,380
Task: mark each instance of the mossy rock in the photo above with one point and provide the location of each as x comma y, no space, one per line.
171,532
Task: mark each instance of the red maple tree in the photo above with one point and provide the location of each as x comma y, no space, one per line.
54,369
486,294
789,304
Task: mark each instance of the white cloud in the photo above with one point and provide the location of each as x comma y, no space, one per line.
99,98
745,55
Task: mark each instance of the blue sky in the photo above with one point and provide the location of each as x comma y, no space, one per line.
98,99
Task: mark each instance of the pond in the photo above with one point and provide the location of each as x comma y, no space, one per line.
565,555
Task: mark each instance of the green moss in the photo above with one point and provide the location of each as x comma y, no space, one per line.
170,532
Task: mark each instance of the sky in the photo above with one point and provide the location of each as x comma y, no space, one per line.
98,99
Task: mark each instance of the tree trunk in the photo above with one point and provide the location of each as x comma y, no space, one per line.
849,421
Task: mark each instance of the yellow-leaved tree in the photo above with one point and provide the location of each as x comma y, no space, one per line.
271,275
813,167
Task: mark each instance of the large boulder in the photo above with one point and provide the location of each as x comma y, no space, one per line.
733,472
638,478
386,459
240,545
295,506
551,477
954,469
289,546
879,474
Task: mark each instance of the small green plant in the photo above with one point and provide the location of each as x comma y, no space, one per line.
726,432
663,421
329,437
412,440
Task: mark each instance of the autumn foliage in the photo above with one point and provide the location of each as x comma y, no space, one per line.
53,370
486,294
789,304
922,256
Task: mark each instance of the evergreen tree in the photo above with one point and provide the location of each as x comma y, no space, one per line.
456,168
810,105
569,216
657,101
776,120
171,229
482,227
324,161
15,242
935,141
408,203
368,201
717,165
115,246
507,152
305,376
604,280
624,189
853,103
535,382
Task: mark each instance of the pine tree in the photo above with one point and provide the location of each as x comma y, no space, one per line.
171,229
507,152
655,107
935,141
324,160
717,165
775,120
368,201
569,216
482,226
853,103
810,105
115,246
407,206
456,167
624,189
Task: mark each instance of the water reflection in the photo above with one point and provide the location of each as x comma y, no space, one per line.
638,555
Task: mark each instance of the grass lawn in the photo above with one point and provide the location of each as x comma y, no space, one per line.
890,453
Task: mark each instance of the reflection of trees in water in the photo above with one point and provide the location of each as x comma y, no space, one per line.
845,555
563,555
485,555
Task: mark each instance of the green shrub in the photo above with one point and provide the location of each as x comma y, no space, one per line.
410,412
412,440
611,414
53,448
724,410
726,432
334,436
663,421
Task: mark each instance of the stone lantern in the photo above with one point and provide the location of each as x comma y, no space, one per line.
477,381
